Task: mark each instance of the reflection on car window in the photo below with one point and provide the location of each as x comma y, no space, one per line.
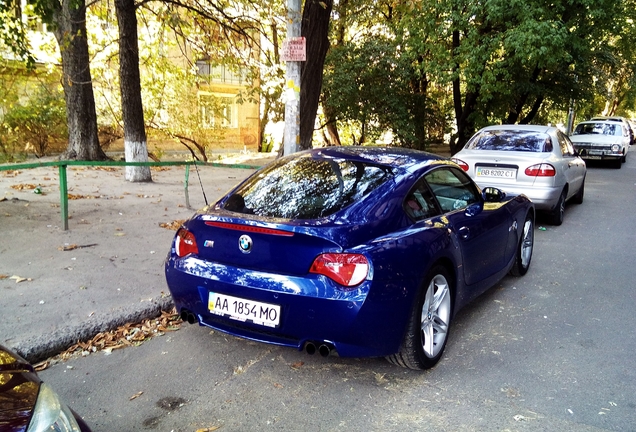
419,202
453,188
306,188
511,140
567,149
599,129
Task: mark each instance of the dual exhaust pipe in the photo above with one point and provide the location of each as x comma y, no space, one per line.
323,348
188,316
311,347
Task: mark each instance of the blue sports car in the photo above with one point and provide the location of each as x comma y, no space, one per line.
354,251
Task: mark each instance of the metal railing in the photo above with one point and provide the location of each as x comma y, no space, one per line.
64,186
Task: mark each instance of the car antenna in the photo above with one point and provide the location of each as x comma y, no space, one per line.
198,175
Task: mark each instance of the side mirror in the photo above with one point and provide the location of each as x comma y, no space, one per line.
492,194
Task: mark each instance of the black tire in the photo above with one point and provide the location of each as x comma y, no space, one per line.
617,163
624,158
429,323
556,216
578,198
524,248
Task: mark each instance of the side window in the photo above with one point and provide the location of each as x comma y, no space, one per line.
419,203
453,188
566,145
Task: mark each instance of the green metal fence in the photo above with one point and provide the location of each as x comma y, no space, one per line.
64,187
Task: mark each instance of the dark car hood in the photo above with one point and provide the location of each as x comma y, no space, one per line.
19,387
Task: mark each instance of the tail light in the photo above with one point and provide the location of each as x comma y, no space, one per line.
463,165
541,170
346,269
185,243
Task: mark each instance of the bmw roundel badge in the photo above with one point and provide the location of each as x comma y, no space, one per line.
245,244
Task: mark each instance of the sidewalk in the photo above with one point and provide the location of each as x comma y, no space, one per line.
107,270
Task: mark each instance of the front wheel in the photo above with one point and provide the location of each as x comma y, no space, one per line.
524,249
427,331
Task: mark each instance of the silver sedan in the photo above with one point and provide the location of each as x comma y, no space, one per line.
537,161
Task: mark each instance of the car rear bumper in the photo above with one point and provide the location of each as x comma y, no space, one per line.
599,153
313,309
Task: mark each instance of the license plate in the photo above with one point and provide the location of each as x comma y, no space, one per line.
244,310
589,156
505,173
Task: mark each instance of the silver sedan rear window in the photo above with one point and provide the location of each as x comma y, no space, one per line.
511,140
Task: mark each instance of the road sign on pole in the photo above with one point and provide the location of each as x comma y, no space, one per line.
291,139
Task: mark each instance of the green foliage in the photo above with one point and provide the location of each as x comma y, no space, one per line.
30,127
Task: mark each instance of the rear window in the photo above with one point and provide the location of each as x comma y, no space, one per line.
599,129
510,140
306,188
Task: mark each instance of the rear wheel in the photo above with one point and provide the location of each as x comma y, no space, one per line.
427,331
578,198
524,249
556,217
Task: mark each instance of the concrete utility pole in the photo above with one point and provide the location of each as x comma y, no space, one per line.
291,139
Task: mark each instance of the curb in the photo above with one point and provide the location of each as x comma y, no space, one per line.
48,345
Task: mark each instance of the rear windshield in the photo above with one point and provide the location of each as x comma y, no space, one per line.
306,188
511,140
599,129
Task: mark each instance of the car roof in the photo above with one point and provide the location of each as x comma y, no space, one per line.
521,127
604,121
395,157
611,118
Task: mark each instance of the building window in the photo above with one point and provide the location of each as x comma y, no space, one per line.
218,111
221,74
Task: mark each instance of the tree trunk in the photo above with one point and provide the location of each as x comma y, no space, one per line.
136,149
70,32
315,28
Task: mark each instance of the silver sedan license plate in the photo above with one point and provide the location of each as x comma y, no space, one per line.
503,173
240,309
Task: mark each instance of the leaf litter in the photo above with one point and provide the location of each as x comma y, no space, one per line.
129,334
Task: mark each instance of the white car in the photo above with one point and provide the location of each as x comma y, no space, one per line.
537,161
604,140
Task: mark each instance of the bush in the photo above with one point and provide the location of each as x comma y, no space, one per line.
32,126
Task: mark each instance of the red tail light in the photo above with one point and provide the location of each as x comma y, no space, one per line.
185,243
463,165
346,269
541,170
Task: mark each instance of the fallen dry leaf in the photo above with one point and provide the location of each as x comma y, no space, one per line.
3,276
174,225
23,186
297,365
136,395
277,385
78,196
104,168
74,246
19,279
209,429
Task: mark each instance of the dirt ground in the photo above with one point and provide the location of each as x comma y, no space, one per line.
59,286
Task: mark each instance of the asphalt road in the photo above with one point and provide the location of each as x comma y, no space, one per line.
553,350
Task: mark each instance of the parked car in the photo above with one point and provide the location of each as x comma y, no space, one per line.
29,405
631,128
538,161
357,251
604,140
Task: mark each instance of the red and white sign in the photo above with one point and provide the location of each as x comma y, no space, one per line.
294,49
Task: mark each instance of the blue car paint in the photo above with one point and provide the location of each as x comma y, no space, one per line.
370,319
